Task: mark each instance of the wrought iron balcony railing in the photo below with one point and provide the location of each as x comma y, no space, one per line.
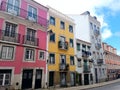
64,67
30,40
96,32
86,53
63,45
98,46
9,36
17,11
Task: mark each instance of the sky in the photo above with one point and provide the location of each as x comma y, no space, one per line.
106,11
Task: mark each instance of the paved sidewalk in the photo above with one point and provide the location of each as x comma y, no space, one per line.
85,86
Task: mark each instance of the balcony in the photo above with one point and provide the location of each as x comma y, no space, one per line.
16,11
9,36
30,40
63,45
100,61
96,32
98,46
86,69
86,53
63,67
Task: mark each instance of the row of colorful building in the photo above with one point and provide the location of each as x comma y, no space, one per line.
41,47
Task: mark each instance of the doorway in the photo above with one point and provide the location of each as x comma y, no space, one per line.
51,78
86,79
38,78
27,78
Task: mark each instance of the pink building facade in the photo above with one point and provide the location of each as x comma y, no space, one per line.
112,61
23,25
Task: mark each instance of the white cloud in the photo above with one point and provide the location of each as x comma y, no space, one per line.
106,34
80,6
118,52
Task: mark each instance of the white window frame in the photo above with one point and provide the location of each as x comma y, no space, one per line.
43,56
31,58
12,10
53,60
4,78
7,52
32,17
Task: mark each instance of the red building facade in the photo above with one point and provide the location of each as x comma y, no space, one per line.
23,25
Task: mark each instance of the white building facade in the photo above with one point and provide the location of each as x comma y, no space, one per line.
88,29
84,63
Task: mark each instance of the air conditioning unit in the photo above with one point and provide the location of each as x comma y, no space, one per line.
12,11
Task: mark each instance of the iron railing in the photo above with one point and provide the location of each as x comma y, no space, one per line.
9,36
63,45
27,39
17,11
64,67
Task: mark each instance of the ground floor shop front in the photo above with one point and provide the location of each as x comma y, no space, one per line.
61,79
29,78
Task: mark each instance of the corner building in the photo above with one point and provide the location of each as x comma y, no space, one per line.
23,25
112,61
61,62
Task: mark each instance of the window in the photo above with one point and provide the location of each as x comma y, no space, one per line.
30,34
52,58
29,54
78,46
91,25
72,60
62,38
7,52
62,59
32,13
42,55
62,25
52,37
84,47
71,42
10,29
70,28
79,62
52,20
94,27
5,77
13,6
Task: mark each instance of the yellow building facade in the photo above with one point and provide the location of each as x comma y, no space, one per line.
61,58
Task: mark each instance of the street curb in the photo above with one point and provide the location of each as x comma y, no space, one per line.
88,86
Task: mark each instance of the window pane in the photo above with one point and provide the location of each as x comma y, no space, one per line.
10,53
62,25
71,42
1,81
29,54
52,58
52,20
41,55
70,28
52,37
7,82
78,46
4,52
32,13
